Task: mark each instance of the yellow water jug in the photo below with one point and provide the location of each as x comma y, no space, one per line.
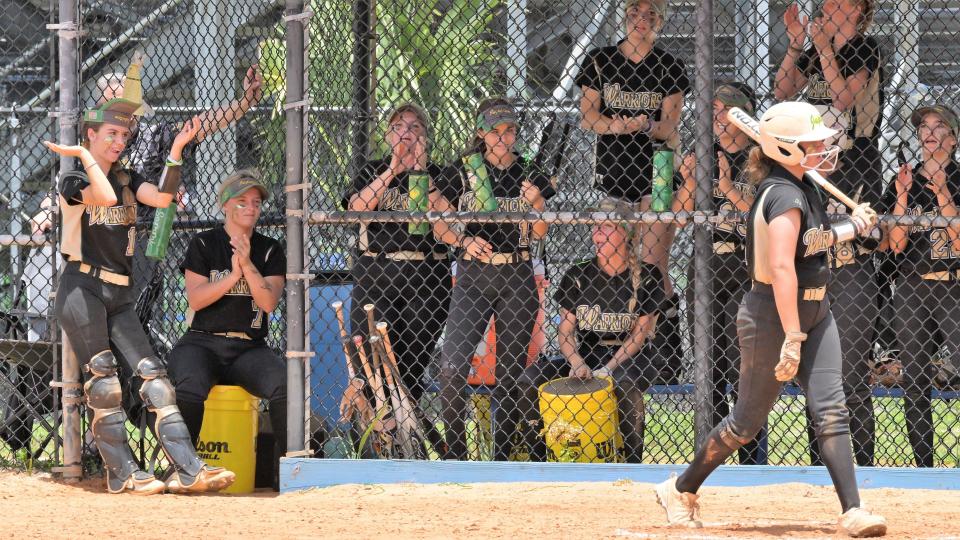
580,420
228,437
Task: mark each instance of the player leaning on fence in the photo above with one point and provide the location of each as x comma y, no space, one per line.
840,73
95,300
927,295
401,268
784,324
234,280
632,96
732,196
494,272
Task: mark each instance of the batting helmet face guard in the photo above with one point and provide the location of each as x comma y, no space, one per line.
786,125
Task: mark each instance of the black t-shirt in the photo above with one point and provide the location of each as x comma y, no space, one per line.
863,117
732,228
624,163
101,236
507,189
928,248
390,237
601,303
209,254
776,195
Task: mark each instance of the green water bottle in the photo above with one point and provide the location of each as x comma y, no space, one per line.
662,191
418,186
480,183
160,231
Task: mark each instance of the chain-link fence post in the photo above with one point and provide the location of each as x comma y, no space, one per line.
703,84
69,52
296,312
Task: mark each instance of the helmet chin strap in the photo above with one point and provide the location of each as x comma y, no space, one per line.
828,160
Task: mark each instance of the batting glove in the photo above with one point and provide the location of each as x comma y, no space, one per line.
864,218
789,356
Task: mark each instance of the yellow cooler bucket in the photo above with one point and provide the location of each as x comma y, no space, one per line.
229,434
580,420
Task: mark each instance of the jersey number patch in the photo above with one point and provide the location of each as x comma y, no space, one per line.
257,315
940,245
131,240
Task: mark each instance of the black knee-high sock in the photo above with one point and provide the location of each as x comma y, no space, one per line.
836,454
705,461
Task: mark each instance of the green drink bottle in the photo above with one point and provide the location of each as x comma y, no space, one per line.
662,190
480,183
418,184
160,231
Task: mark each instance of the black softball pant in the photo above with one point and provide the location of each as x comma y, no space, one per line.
412,297
731,281
923,307
99,316
200,361
509,293
853,302
761,336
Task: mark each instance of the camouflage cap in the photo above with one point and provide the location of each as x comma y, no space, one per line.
493,112
117,112
736,94
944,112
238,183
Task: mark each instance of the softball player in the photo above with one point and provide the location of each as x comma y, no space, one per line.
405,275
95,302
840,73
784,324
234,279
608,313
926,297
732,195
632,96
494,277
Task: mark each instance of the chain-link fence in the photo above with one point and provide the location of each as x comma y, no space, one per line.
580,299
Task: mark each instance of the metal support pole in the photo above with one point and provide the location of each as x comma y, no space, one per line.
295,177
362,91
703,286
69,54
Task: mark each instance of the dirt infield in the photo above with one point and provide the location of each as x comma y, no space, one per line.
35,507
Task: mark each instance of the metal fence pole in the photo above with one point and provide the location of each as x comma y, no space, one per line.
69,115
703,287
362,75
295,177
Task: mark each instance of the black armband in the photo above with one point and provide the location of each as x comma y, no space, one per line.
169,180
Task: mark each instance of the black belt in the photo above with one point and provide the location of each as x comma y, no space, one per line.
810,294
406,255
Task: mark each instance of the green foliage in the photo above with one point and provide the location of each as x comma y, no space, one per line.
440,58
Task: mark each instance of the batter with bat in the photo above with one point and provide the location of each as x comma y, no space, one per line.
401,268
234,279
95,301
784,324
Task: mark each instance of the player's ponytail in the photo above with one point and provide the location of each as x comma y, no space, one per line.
758,166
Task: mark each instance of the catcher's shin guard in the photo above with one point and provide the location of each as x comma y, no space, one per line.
193,475
108,426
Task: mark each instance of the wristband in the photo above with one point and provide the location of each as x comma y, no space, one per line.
94,164
843,231
649,129
169,180
173,162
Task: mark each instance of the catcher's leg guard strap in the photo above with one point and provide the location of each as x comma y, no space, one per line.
159,397
109,420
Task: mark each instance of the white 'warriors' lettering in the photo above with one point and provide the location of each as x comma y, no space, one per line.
242,288
593,318
817,240
617,99
392,199
112,215
468,203
818,88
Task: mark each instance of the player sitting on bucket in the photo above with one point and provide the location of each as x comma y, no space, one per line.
234,279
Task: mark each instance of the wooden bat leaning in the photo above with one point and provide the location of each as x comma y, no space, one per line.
751,127
353,366
373,378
